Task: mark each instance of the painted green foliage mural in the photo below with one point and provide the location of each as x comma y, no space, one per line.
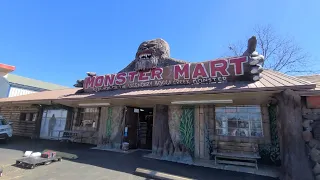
181,129
272,151
113,126
275,147
187,128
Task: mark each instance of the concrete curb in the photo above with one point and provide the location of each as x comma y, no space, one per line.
159,175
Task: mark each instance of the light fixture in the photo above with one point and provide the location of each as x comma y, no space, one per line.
203,102
95,104
141,109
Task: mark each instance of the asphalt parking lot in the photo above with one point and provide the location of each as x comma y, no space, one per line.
99,165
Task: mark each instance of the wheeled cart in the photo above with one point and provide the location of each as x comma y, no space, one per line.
32,162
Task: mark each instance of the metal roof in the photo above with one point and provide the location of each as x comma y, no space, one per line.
271,81
40,96
312,78
315,78
24,81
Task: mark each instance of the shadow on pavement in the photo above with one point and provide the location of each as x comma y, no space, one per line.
125,162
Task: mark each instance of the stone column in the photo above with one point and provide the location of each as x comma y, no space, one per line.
294,159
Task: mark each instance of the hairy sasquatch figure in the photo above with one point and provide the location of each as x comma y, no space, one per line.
151,54
156,53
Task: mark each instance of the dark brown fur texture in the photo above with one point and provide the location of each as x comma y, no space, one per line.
151,54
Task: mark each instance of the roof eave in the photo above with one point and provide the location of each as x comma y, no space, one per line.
310,93
28,102
302,88
267,89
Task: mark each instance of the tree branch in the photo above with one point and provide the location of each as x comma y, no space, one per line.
280,53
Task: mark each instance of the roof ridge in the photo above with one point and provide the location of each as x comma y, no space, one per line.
290,76
34,79
34,82
308,75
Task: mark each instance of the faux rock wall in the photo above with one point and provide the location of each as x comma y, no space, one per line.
112,123
311,135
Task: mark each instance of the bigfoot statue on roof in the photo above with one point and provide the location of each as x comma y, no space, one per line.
151,54
156,53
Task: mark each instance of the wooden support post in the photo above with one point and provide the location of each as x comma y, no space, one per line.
197,132
202,131
294,159
38,121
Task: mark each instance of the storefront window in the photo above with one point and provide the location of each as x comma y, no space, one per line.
243,121
28,116
88,117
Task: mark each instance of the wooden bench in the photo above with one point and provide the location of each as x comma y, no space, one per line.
234,153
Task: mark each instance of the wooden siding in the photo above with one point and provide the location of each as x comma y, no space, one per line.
21,128
205,133
103,124
204,129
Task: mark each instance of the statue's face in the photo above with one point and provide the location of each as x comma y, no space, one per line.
149,53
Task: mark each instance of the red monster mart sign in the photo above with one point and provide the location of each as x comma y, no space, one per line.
209,72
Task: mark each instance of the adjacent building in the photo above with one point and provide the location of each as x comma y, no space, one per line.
13,85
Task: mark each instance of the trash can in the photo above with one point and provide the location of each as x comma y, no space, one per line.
125,146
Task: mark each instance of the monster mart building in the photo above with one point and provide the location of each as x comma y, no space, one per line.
228,110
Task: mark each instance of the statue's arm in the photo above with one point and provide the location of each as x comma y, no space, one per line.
255,59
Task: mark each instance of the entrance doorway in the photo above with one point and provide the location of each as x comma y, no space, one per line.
139,122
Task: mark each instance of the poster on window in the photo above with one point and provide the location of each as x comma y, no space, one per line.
52,122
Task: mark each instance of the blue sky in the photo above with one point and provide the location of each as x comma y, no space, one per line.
58,41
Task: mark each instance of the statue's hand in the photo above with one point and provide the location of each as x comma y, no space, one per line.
79,82
255,60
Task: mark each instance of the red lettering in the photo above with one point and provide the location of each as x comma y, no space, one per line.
99,81
89,82
156,73
199,71
121,78
220,66
132,74
143,76
184,72
238,65
109,80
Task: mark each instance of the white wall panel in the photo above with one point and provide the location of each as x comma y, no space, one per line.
4,87
15,91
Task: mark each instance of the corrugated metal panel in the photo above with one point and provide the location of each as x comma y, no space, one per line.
45,95
271,81
14,91
312,78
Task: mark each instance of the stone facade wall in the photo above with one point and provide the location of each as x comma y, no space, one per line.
314,115
311,135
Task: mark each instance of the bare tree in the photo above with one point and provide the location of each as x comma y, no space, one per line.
280,53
